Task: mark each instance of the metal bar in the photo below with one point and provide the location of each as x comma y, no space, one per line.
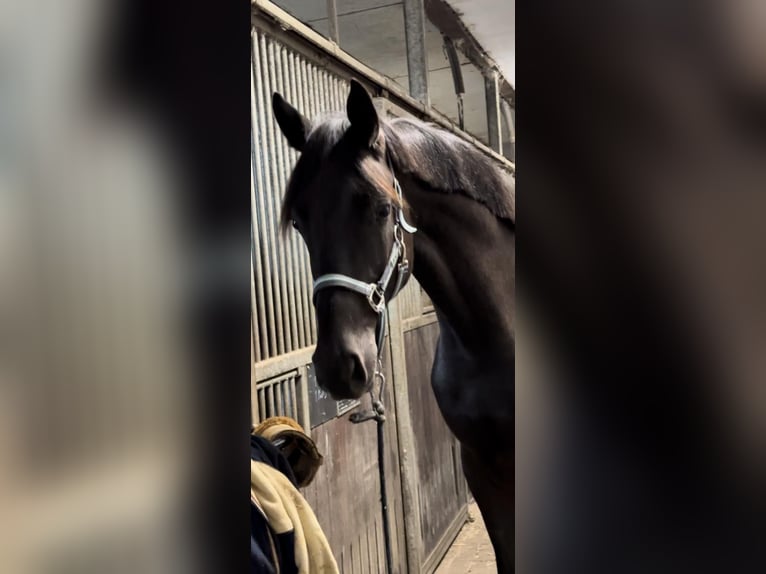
509,121
492,94
270,395
417,58
262,414
332,21
258,304
279,402
457,76
280,153
262,186
289,29
270,86
324,96
305,415
284,246
255,416
294,398
254,331
337,93
299,284
254,419
308,104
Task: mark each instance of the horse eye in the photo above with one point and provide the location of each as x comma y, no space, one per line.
295,223
384,211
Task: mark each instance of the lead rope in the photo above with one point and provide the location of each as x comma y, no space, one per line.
378,412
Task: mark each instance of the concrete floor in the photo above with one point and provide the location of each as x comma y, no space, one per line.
472,551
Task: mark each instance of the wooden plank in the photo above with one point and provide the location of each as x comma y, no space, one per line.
436,555
407,452
275,366
418,322
440,489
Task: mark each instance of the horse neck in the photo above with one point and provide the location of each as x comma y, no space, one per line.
464,259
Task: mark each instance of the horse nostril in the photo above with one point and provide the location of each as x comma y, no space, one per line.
358,372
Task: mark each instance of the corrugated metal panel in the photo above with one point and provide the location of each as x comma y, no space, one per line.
284,317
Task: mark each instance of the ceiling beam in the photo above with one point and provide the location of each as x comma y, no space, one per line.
444,17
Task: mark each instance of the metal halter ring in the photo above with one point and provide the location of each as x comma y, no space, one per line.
377,299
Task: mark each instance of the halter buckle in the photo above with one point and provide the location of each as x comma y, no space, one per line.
377,299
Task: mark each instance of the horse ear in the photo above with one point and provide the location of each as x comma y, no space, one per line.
294,126
362,114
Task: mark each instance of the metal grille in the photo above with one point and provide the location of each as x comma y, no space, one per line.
283,313
281,396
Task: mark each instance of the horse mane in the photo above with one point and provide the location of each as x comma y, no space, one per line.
435,157
449,164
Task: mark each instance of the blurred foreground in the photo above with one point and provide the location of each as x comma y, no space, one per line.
124,288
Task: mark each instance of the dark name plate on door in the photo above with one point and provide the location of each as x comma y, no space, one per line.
322,407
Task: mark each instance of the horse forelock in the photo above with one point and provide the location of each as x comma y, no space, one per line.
323,138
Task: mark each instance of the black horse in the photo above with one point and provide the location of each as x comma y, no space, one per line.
345,200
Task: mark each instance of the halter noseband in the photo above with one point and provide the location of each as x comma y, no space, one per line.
376,292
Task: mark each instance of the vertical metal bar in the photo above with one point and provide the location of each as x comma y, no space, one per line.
254,418
263,414
417,62
308,103
296,270
254,411
255,335
298,70
262,189
492,93
328,104
285,391
270,395
255,331
284,247
508,117
281,168
332,20
274,142
309,309
294,398
457,77
304,398
325,103
280,408
315,90
337,93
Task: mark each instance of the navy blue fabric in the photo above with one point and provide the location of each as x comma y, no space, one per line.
261,558
261,561
262,450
